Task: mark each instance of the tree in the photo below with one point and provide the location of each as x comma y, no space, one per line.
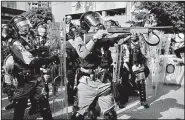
37,15
166,13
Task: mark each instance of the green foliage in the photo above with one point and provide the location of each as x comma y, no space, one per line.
38,15
166,13
141,17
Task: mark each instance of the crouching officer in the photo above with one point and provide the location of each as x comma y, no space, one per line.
92,86
27,68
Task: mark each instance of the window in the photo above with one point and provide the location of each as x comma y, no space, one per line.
115,12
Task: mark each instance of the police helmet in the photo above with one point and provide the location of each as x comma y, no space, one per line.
19,21
89,19
69,17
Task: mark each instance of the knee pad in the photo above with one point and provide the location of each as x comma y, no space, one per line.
110,115
77,116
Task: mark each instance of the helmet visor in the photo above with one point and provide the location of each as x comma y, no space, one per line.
22,23
93,19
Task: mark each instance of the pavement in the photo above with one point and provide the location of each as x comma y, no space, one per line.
166,102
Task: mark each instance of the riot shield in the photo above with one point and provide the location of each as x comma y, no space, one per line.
58,98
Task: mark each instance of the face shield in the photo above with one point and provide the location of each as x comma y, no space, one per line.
90,20
93,19
23,27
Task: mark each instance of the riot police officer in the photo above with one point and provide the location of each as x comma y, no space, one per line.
8,64
70,27
41,45
27,68
93,86
137,63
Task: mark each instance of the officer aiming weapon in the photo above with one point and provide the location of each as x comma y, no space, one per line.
127,30
139,71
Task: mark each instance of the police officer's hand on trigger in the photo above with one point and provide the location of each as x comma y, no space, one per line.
100,34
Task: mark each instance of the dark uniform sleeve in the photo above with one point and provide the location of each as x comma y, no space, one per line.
21,53
112,40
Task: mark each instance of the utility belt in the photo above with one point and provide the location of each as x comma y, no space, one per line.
139,73
94,74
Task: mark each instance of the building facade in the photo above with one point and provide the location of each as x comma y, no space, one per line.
38,4
11,4
119,11
9,10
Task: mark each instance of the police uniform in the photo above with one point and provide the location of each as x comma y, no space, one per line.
27,68
8,80
92,85
141,71
41,45
8,65
72,64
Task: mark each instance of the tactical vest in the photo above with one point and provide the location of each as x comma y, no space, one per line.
19,65
136,57
97,58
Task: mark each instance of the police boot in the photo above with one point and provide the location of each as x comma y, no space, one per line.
110,115
34,106
77,116
20,106
45,108
142,93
